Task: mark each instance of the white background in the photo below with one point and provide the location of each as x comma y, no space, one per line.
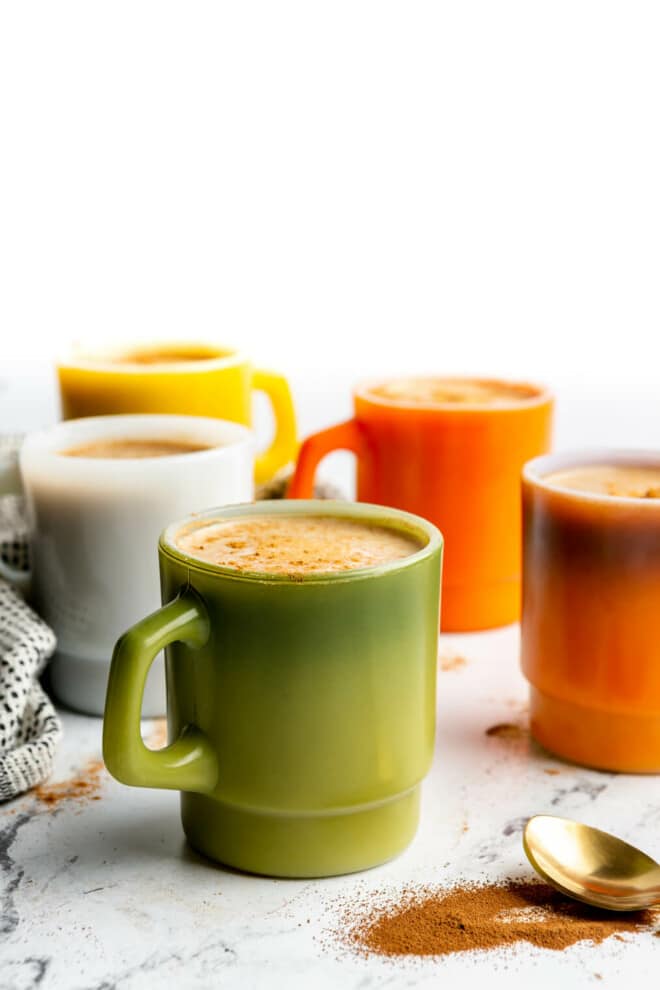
343,188
340,188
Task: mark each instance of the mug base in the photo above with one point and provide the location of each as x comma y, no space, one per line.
80,684
300,846
472,609
596,738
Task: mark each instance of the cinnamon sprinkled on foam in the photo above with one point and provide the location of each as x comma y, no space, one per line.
617,480
453,391
295,545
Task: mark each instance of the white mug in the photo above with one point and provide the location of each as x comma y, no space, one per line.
95,525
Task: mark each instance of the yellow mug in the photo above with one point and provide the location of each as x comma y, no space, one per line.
181,378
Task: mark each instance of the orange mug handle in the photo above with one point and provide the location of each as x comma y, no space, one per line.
344,436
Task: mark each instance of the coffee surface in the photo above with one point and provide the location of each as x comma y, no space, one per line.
295,545
175,354
453,391
128,448
609,479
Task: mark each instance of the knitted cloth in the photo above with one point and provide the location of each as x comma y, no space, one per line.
29,726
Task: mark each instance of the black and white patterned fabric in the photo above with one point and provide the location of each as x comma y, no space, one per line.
14,533
30,728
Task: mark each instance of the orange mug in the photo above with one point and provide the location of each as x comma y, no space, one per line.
443,452
591,617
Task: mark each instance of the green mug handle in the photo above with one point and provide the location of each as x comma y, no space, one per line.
190,762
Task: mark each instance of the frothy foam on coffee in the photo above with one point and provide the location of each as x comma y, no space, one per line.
617,480
453,391
295,545
164,354
128,448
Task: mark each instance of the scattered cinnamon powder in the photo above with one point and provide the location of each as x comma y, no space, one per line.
551,772
157,737
508,730
85,786
451,661
518,705
428,921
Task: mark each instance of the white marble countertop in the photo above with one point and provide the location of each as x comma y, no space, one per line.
100,891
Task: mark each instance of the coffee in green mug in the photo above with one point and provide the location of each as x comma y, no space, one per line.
301,643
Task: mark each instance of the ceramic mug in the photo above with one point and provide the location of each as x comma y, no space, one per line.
301,712
95,523
184,378
591,617
457,465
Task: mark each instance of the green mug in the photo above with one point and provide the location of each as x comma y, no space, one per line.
302,711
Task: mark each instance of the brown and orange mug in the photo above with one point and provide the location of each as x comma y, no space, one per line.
591,607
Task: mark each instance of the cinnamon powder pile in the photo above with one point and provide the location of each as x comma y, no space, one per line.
437,922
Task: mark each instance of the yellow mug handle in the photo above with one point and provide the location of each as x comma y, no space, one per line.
284,447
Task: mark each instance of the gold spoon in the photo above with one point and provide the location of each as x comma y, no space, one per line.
590,865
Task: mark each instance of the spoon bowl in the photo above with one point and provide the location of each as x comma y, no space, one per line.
590,865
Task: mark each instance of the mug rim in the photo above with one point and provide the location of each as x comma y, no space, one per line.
101,360
542,395
45,444
536,471
390,518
